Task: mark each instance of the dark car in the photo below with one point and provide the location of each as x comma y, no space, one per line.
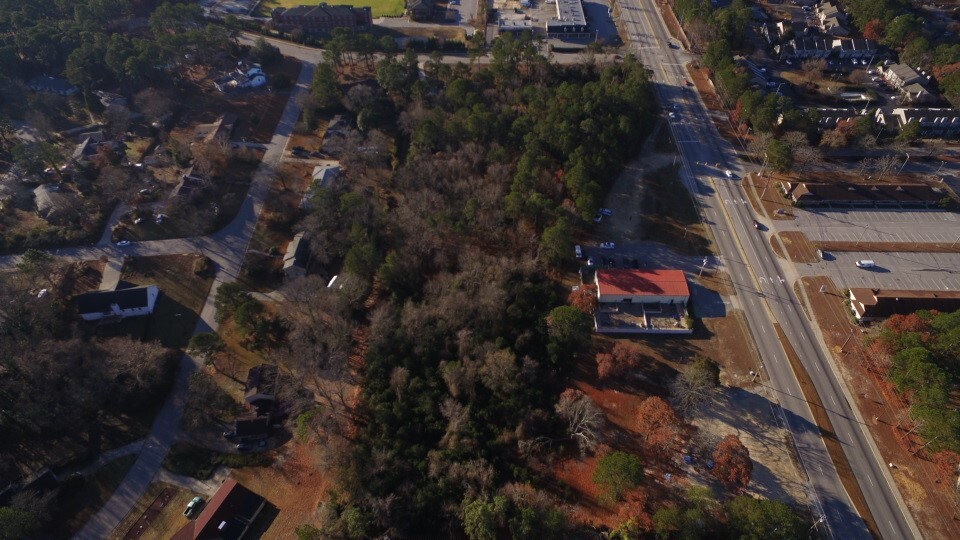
299,151
229,434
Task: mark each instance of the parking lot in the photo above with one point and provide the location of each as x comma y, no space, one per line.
911,271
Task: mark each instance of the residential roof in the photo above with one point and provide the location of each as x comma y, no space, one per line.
261,380
52,84
622,281
50,200
855,44
926,115
227,516
100,301
915,89
296,254
325,174
252,427
904,72
886,302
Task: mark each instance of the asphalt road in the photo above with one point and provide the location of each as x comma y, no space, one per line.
766,296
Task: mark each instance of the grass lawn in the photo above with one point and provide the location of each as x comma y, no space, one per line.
190,460
74,510
182,297
381,8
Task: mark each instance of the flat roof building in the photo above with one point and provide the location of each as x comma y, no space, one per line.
642,301
571,20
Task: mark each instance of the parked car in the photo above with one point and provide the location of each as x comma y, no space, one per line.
608,245
578,251
672,115
598,218
606,211
193,506
865,263
123,243
674,45
590,262
229,434
729,173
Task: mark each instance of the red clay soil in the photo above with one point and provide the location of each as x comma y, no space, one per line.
934,505
151,513
766,199
888,247
799,249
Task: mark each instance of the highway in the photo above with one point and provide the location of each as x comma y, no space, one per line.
765,294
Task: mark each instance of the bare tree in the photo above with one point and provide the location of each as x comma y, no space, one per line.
154,103
813,69
805,156
584,419
696,386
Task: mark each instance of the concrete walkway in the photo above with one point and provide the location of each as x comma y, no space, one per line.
226,249
111,274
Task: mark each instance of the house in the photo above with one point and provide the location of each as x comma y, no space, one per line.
864,49
260,391
296,258
642,301
830,117
873,304
335,138
52,85
228,515
97,136
832,20
917,93
571,22
189,182
55,204
322,178
806,48
808,194
420,10
219,131
900,75
252,428
88,148
243,77
108,98
944,123
321,18
118,304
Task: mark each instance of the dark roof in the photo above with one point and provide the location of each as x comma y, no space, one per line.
252,427
52,84
226,517
100,301
261,379
810,193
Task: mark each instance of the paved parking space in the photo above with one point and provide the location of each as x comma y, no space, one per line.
911,271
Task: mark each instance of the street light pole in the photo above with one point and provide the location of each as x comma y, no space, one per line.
904,164
940,167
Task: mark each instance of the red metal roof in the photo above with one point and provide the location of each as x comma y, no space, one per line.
625,282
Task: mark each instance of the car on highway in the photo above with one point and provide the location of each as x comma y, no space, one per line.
687,82
123,243
674,45
608,245
756,225
193,506
729,173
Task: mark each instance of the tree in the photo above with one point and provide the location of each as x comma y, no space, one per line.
206,345
229,297
325,88
584,419
617,473
780,156
37,264
696,385
585,299
763,519
17,523
481,518
873,30
732,463
902,29
555,243
909,132
659,425
569,330
265,53
625,355
813,69
153,103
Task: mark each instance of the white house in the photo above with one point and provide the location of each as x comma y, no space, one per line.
241,77
642,301
119,304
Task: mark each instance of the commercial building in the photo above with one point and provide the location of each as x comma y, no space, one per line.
873,304
571,21
807,194
642,301
322,18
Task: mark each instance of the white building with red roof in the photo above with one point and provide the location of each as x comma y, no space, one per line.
642,301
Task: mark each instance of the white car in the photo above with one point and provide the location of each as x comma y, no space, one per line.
729,173
608,245
123,243
606,211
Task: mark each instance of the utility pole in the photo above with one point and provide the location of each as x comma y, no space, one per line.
763,166
904,164
702,265
940,167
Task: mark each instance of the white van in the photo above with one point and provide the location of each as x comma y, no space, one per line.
865,263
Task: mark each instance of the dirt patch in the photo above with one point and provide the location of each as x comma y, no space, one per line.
766,198
81,277
718,281
834,448
293,484
885,411
798,247
891,247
